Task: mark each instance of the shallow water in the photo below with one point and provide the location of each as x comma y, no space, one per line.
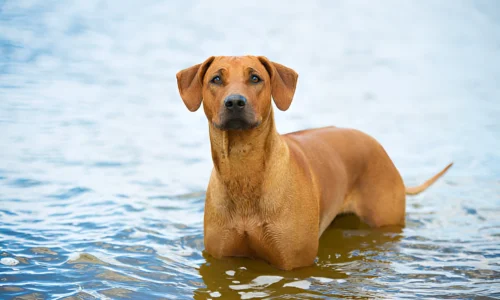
102,169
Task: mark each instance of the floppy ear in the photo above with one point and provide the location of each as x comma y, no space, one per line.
283,82
189,82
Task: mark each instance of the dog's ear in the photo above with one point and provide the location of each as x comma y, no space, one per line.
283,82
189,82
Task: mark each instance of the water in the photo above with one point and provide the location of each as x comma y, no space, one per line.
103,169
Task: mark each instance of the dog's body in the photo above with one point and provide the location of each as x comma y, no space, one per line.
271,196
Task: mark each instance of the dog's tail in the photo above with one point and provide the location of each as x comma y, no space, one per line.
414,190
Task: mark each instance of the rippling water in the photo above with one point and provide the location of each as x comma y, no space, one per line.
103,170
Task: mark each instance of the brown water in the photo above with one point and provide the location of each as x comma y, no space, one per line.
103,170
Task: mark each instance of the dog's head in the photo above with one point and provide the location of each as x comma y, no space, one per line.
236,91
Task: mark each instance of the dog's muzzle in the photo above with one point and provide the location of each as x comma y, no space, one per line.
236,114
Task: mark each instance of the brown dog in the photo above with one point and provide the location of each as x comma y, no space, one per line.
271,196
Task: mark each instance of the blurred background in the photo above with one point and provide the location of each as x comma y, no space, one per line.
103,169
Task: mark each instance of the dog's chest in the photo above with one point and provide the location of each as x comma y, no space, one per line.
248,229
246,237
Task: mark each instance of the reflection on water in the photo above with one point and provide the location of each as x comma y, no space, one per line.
350,258
102,169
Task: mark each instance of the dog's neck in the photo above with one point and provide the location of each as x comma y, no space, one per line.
241,156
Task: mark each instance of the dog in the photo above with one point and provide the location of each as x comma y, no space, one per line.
271,196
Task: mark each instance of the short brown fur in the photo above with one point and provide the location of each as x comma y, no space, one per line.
271,196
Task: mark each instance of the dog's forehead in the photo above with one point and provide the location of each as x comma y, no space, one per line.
237,63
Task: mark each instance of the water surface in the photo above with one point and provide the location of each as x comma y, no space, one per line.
103,170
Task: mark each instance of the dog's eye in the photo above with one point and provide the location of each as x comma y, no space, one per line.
255,79
216,80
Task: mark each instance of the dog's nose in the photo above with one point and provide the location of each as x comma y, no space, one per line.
235,102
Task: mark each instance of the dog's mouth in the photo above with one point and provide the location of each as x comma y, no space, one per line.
240,119
236,124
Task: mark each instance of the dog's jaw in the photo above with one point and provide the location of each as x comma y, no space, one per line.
236,124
